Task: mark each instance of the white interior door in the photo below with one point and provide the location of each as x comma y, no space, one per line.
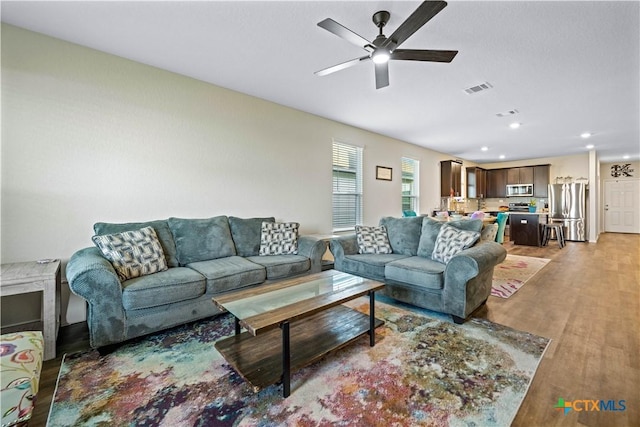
622,206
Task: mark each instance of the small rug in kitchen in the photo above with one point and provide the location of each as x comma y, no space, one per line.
513,273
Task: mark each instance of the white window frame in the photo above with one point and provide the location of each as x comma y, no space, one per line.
410,182
346,184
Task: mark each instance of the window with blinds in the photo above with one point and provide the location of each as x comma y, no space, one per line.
410,191
347,186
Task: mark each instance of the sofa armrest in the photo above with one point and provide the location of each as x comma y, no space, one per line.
341,246
313,248
92,277
468,277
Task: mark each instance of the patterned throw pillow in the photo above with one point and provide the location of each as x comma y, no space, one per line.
452,240
279,238
133,253
372,240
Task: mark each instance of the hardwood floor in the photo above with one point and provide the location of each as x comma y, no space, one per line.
587,300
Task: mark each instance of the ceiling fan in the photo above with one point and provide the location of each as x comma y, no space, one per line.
383,48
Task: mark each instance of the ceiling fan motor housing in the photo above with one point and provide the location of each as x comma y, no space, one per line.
381,18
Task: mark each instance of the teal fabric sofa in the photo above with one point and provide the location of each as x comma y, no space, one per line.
458,287
205,257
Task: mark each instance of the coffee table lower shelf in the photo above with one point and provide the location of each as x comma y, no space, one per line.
258,359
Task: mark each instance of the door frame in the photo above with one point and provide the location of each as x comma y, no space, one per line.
604,201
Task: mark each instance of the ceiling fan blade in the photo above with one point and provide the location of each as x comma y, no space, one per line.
382,75
417,19
341,66
344,33
424,55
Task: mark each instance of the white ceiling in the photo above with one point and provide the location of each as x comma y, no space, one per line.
567,67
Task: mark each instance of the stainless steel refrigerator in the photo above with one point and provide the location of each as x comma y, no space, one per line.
567,205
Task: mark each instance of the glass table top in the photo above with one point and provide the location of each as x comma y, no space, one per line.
264,302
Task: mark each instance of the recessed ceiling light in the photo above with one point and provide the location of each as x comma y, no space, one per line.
484,148
585,135
514,125
502,156
590,146
626,156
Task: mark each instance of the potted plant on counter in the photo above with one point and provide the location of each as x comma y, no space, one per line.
532,205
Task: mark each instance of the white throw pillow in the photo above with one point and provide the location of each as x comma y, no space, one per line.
279,238
132,253
372,240
452,240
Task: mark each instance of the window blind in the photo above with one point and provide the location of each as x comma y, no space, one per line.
347,186
410,193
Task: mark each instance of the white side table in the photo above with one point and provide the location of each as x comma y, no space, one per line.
24,277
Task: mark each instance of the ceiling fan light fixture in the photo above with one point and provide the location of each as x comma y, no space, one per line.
380,56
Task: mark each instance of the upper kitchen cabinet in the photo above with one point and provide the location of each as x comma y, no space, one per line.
450,178
476,183
497,183
541,181
522,175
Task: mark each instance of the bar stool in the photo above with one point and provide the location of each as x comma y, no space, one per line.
546,234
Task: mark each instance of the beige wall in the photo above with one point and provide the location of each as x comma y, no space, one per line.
605,170
87,137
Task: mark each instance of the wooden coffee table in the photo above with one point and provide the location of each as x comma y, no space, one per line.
305,314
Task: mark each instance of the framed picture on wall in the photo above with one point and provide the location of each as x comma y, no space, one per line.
384,173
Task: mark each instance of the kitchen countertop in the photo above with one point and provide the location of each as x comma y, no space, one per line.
485,220
528,213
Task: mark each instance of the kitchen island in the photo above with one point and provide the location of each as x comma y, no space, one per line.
525,227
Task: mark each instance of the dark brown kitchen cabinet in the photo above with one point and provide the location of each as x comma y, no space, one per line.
541,181
450,178
496,183
522,175
476,183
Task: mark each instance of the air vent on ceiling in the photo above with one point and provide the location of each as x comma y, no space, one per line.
507,113
479,88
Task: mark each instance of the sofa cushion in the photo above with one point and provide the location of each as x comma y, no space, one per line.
174,285
404,234
372,240
162,231
416,271
246,234
202,239
368,265
431,228
132,253
279,238
226,274
452,240
279,266
489,233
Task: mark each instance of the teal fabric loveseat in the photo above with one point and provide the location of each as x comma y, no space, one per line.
204,257
457,287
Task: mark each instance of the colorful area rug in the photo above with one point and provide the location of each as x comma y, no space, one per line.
422,371
513,273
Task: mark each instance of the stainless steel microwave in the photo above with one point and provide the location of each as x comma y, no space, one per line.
515,190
